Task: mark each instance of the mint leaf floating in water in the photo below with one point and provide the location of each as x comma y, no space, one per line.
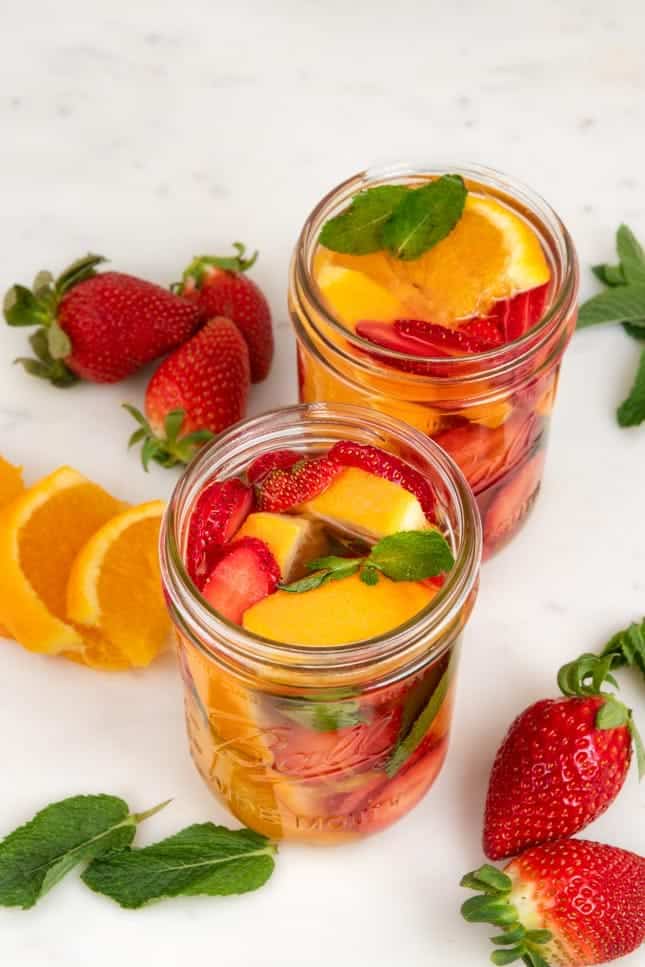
37,855
406,556
425,216
632,411
408,743
202,859
358,230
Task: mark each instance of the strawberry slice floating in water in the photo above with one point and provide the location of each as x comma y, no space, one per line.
219,512
282,489
386,465
275,460
245,573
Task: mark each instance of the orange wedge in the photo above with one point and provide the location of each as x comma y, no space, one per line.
114,588
11,486
41,532
338,612
492,253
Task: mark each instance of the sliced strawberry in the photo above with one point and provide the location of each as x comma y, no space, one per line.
525,310
283,490
486,331
385,334
439,340
276,460
220,511
513,501
245,573
386,465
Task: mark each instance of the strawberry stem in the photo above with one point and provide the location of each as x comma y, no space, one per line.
168,450
201,264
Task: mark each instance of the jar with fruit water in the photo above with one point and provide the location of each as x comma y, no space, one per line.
322,743
463,342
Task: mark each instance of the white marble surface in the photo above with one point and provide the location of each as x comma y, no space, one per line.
152,131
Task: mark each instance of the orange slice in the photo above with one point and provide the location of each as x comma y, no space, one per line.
41,533
114,586
292,540
492,253
338,612
11,486
367,505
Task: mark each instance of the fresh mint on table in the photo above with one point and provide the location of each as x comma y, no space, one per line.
99,831
36,856
406,556
404,221
201,860
623,302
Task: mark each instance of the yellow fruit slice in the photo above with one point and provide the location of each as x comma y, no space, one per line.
41,532
114,585
367,505
11,486
492,253
292,540
337,613
352,296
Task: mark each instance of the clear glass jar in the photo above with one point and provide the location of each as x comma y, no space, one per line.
490,411
320,744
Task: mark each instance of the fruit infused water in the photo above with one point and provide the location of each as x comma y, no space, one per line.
445,298
319,564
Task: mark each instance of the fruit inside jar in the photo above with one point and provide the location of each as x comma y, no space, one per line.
446,301
320,551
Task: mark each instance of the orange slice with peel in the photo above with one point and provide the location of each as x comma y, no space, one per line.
11,486
492,253
114,588
41,532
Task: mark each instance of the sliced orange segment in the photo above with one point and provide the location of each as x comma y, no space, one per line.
338,612
292,540
11,486
41,532
353,295
367,505
114,587
492,253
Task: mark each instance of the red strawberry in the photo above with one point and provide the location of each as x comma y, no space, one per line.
568,904
219,288
484,331
560,766
386,465
525,310
97,327
275,460
439,340
219,512
512,501
283,490
198,391
245,573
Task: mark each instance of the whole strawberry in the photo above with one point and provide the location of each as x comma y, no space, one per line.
573,903
219,287
196,392
561,764
98,327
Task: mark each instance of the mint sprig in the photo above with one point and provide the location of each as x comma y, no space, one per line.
203,859
623,302
406,556
36,856
404,221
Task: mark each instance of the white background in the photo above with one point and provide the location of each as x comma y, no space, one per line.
151,132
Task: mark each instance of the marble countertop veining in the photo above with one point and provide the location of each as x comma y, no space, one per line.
152,131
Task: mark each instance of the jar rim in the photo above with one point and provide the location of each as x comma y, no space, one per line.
493,362
195,617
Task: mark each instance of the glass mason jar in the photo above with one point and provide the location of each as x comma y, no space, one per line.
489,411
328,743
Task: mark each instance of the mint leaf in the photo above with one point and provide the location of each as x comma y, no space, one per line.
632,411
203,859
635,331
412,555
625,303
37,855
324,716
631,255
369,575
609,274
358,229
310,583
407,745
425,216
